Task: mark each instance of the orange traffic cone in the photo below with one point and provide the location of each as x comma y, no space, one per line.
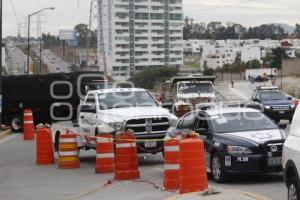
171,166
105,157
28,125
44,147
68,151
192,173
126,161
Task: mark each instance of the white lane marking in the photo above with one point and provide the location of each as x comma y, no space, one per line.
7,138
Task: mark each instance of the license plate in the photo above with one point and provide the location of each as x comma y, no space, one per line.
276,161
150,144
281,112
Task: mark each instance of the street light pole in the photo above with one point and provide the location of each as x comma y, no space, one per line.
26,70
28,39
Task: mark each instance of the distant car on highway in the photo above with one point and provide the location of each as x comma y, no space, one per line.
237,140
275,103
291,159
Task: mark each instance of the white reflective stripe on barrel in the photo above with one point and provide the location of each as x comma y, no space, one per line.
28,122
104,140
67,140
27,114
105,155
171,148
125,145
171,166
68,153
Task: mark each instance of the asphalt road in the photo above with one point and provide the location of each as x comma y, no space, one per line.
20,178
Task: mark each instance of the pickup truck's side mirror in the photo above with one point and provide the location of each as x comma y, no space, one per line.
290,98
256,100
88,109
202,131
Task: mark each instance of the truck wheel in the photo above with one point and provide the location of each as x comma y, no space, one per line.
16,123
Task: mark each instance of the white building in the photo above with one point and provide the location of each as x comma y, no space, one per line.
217,54
142,33
250,53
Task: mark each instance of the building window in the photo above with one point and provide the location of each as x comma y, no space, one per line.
141,15
157,16
176,17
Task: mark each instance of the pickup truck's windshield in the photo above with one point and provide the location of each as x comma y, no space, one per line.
125,99
272,95
185,88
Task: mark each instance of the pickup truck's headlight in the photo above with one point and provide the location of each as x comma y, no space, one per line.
173,121
117,126
293,106
238,150
268,107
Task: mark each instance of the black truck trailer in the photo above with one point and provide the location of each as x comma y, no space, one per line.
51,97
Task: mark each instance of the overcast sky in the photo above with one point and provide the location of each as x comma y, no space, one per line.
71,12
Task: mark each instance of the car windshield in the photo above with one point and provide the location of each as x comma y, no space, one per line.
125,99
272,95
240,122
185,88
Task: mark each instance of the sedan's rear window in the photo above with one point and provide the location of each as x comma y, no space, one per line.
239,122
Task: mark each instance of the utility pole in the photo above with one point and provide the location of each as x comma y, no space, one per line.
1,64
100,46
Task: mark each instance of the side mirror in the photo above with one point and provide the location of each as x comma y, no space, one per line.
255,100
88,109
290,98
202,131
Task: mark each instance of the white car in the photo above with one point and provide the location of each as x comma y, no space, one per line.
291,159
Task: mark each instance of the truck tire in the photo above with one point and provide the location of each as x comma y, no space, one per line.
16,123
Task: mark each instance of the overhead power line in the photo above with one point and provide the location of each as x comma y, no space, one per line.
14,11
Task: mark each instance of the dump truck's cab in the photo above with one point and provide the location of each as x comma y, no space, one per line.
190,92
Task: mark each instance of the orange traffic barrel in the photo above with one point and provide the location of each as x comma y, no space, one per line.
171,165
44,147
68,151
105,158
28,125
192,172
126,160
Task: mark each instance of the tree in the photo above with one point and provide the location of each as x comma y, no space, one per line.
252,64
150,76
83,34
50,41
297,29
276,59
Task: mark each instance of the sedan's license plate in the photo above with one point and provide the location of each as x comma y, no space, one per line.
150,144
276,161
281,112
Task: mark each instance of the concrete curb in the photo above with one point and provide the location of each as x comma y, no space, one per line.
5,133
218,191
252,195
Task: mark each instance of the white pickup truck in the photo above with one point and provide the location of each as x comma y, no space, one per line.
118,110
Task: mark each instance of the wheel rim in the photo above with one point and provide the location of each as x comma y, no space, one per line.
216,165
292,192
16,124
